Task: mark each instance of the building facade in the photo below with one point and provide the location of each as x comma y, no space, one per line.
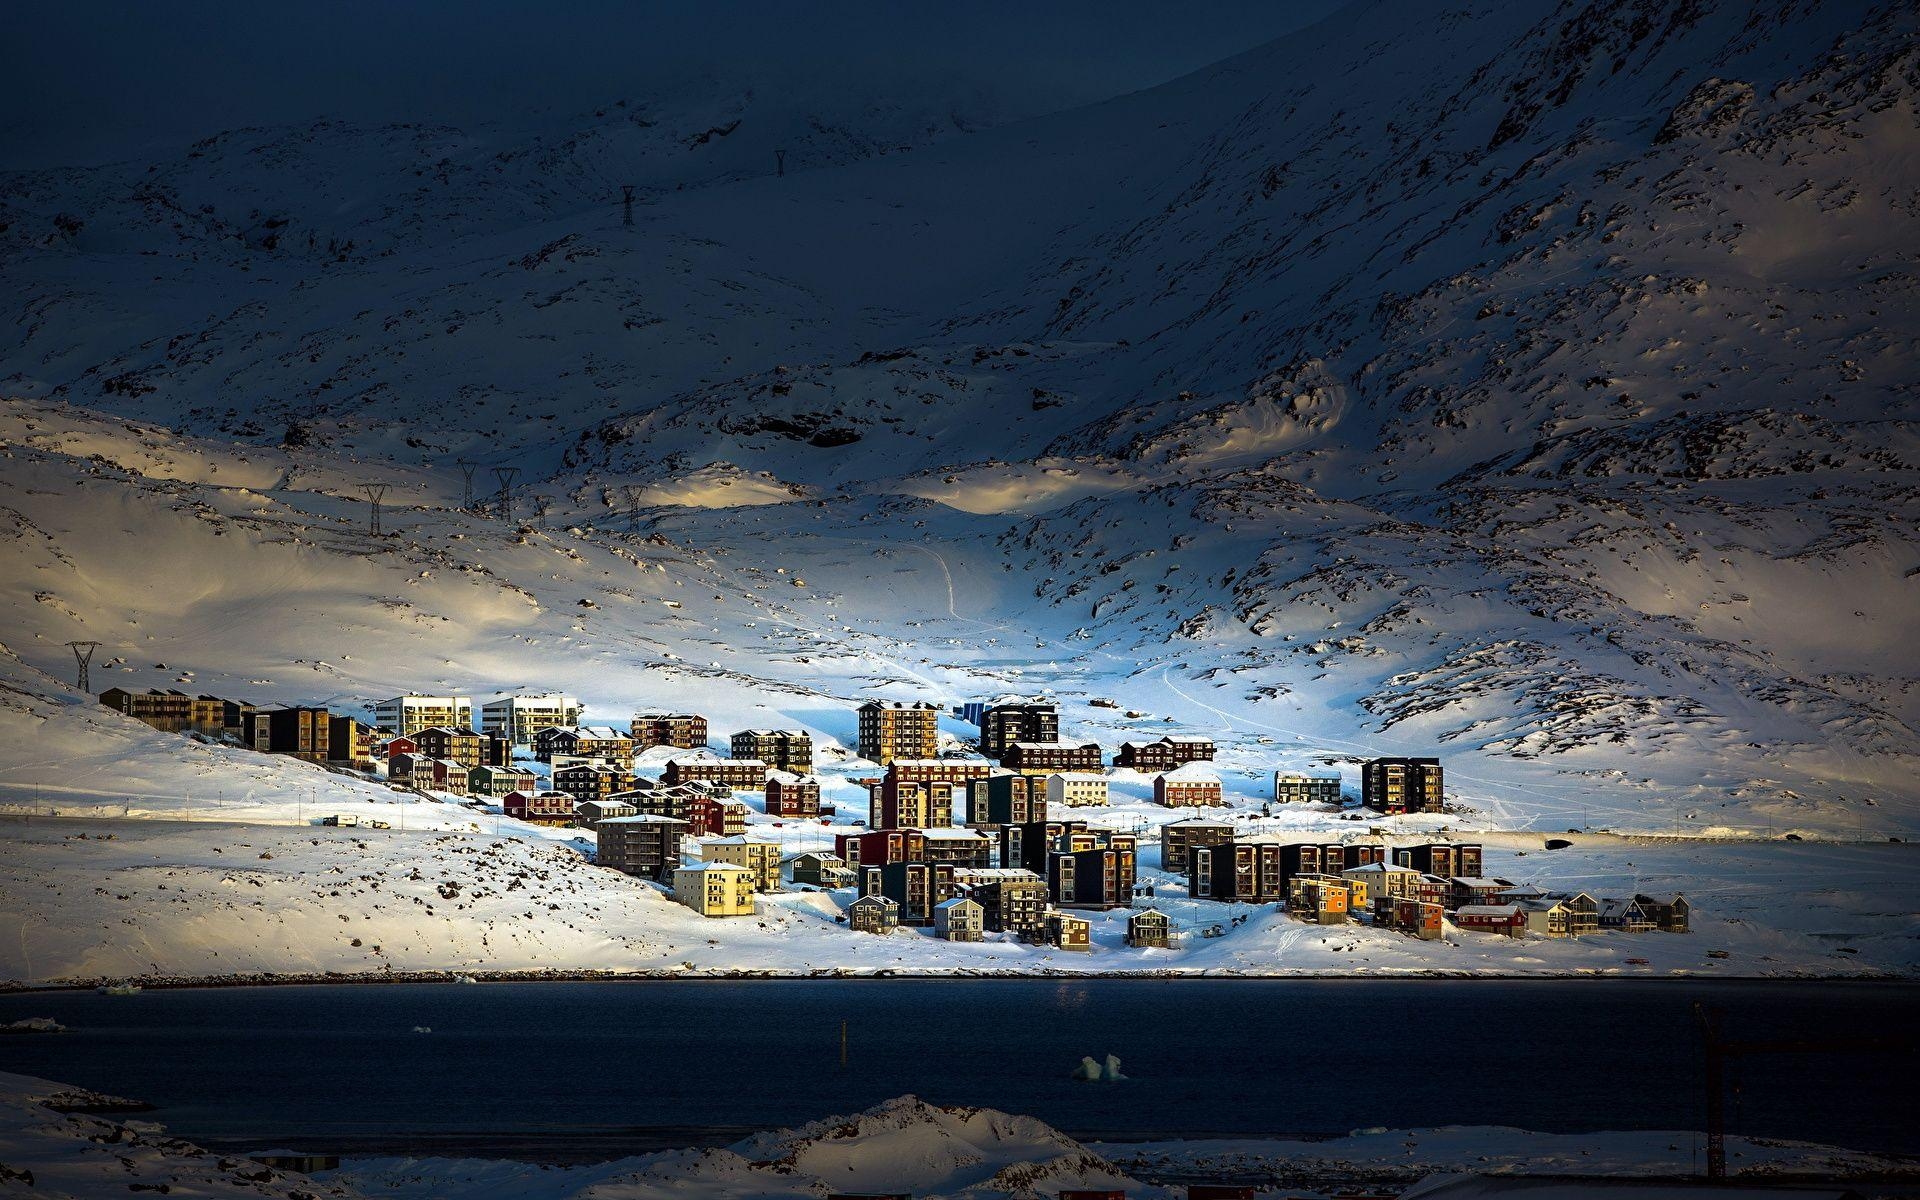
685,731
1048,758
1189,786
1001,725
741,774
641,845
539,807
520,719
715,889
1006,799
790,795
304,733
781,749
1165,754
411,713
1012,900
891,729
1301,787
1403,785
1076,789
1179,838
959,920
760,857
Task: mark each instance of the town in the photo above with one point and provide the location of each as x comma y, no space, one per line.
960,844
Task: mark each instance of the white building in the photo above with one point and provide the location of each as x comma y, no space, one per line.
409,714
518,718
1076,789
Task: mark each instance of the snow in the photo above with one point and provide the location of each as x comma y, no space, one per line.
1372,392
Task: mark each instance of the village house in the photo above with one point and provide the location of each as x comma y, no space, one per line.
303,733
1415,917
1432,889
1624,915
1669,914
1092,869
519,719
711,815
1047,758
917,886
539,807
790,795
1382,882
1006,799
874,914
1166,754
1188,787
759,856
1403,785
351,743
1064,931
1476,889
683,731
959,846
744,774
877,847
788,750
589,813
1505,919
497,782
1178,839
1012,900
1009,721
590,781
1318,899
584,741
428,774
1003,724
409,714
894,803
1249,872
169,711
891,729
821,869
959,920
1300,787
395,745
1560,916
715,889
1442,858
460,744
1150,929
1076,789
641,844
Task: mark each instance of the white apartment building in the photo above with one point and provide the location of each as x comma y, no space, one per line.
409,714
520,717
1076,789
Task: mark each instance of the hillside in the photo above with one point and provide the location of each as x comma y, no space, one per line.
1531,387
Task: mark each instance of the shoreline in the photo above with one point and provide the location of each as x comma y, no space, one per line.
848,975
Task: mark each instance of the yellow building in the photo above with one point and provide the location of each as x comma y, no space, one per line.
715,889
760,857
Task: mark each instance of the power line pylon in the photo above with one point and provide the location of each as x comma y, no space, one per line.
83,655
506,476
467,467
375,493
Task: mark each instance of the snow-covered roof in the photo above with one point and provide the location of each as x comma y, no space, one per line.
1380,868
1480,881
1488,910
955,903
1078,777
712,866
643,819
1189,773
738,839
1056,745
1325,775
954,834
789,779
602,732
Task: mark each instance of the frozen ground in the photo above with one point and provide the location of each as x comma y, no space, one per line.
48,1150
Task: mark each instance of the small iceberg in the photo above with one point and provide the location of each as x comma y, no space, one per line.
1096,1072
34,1025
465,979
423,1029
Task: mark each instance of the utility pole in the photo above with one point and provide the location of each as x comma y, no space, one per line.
375,493
506,476
1719,1050
626,197
83,655
467,467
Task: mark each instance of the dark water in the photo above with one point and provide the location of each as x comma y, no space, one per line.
568,1070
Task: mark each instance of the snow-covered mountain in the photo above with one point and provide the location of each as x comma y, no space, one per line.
1533,384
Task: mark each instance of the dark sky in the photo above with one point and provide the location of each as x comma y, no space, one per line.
89,82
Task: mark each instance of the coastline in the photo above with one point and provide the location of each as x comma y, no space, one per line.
853,975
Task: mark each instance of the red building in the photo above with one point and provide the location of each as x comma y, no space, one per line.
743,774
790,795
881,846
1492,918
540,807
